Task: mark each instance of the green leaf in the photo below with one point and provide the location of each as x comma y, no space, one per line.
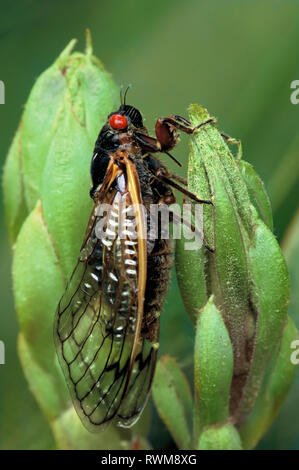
40,122
270,296
275,387
213,368
290,246
257,192
13,187
220,437
38,284
190,270
173,400
71,435
227,227
65,189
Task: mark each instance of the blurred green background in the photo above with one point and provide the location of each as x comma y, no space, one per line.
238,59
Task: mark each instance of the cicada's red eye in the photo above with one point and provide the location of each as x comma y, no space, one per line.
118,121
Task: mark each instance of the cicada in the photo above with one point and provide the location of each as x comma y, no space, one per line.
107,321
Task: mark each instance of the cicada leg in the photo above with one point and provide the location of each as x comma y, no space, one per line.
166,135
233,141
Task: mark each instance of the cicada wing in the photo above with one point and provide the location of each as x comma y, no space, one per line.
95,326
140,381
107,358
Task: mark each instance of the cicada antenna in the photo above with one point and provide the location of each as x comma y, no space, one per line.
121,94
125,95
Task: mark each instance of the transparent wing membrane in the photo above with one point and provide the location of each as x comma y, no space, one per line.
107,363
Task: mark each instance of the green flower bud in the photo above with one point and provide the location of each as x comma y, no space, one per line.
257,193
278,379
173,400
220,437
213,368
13,184
268,273
190,278
46,188
246,275
211,171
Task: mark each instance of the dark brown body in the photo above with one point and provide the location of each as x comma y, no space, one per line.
153,191
160,251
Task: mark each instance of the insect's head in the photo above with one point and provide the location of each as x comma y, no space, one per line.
125,118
